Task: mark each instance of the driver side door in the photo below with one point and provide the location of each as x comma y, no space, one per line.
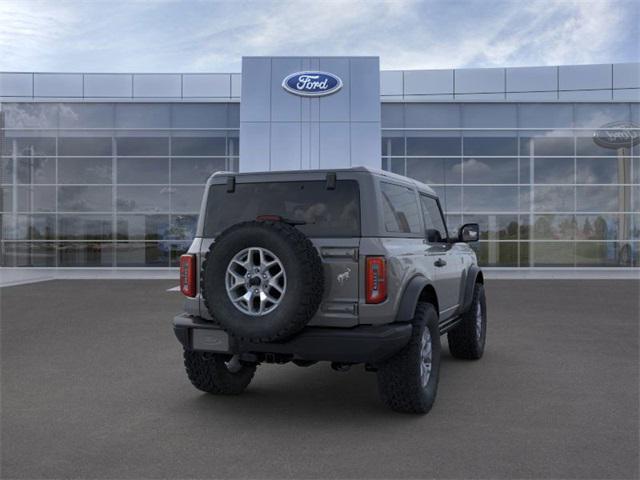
447,267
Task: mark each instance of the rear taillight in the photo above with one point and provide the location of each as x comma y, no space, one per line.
188,275
376,280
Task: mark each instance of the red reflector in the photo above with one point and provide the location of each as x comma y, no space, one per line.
376,280
188,275
269,218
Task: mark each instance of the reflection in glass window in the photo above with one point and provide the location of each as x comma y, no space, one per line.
27,254
397,165
603,170
84,146
604,226
86,115
554,227
143,170
400,209
490,146
553,199
604,254
28,227
198,146
143,227
143,199
30,115
553,170
489,115
85,227
450,198
35,170
149,115
200,115
28,146
525,170
597,114
585,146
490,199
603,199
490,170
418,145
84,170
36,199
143,146
85,254
186,199
393,146
540,145
6,170
142,254
495,227
392,115
195,170
84,199
545,115
420,115
438,171
496,254
552,254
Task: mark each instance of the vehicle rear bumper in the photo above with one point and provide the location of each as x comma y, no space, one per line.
361,344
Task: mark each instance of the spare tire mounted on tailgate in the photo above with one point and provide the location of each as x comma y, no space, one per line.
262,281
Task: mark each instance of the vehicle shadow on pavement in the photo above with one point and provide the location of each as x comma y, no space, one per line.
291,393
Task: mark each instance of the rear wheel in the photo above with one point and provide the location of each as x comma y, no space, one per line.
408,382
467,339
214,373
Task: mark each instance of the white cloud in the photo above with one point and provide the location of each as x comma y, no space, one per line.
212,36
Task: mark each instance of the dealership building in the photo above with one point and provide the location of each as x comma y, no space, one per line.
108,170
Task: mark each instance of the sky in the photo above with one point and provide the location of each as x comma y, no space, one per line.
212,36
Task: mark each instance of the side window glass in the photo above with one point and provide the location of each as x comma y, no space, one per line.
400,209
433,221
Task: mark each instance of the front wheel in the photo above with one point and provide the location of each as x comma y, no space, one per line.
212,373
408,382
467,339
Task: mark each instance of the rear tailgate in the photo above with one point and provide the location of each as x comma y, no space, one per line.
339,306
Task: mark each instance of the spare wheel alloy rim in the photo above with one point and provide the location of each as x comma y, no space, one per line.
256,281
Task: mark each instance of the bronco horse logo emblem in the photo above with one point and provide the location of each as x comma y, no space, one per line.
344,276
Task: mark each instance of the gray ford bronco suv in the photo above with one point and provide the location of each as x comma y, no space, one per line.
352,266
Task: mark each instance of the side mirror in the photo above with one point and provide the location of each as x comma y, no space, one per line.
469,232
433,235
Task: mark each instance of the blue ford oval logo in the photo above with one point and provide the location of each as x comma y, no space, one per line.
312,84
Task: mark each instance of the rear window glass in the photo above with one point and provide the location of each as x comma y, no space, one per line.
400,209
327,213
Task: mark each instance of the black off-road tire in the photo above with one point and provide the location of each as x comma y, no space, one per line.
209,373
399,378
464,341
305,281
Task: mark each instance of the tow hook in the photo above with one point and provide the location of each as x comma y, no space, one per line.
234,365
340,367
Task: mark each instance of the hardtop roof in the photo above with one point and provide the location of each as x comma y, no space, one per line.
367,170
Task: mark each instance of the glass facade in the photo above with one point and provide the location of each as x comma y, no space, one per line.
120,184
543,191
108,184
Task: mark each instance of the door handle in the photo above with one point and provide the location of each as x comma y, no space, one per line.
439,263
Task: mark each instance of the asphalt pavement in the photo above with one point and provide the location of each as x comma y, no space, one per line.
92,386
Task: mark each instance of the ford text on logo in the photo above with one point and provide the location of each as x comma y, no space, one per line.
312,84
617,135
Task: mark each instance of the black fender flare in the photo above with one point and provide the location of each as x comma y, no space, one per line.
410,298
472,277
